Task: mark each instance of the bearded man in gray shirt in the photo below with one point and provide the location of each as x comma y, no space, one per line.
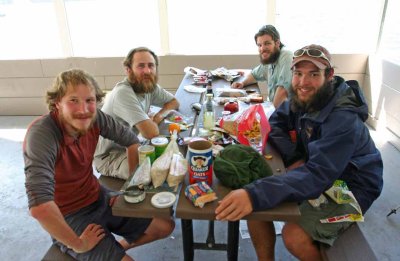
129,103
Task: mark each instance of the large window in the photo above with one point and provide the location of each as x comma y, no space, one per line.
342,26
103,28
112,27
390,41
214,27
28,30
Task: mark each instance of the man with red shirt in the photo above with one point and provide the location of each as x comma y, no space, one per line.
64,195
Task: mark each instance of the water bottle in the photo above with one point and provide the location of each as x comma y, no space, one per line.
209,113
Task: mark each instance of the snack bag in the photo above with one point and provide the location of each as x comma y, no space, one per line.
177,170
142,174
200,193
160,168
340,194
253,123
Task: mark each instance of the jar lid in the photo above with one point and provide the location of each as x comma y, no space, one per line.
163,199
159,141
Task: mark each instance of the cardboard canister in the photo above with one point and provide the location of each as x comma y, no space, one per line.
146,151
200,161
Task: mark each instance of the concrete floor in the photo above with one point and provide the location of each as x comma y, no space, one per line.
22,238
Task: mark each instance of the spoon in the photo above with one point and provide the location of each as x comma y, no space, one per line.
133,191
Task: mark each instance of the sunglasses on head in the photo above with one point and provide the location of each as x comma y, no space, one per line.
312,53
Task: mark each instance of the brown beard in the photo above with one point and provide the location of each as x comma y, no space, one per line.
316,103
273,58
140,86
75,131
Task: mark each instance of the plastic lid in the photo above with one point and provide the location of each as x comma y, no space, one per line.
163,199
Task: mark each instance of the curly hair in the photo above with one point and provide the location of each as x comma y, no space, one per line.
128,59
72,77
271,31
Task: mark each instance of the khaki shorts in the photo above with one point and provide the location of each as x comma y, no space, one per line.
328,232
114,165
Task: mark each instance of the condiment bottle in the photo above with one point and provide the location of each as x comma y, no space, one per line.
209,113
209,86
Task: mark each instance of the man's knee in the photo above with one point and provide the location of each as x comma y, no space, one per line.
161,228
297,241
292,235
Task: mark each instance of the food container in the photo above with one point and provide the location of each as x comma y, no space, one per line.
136,195
146,151
200,161
159,143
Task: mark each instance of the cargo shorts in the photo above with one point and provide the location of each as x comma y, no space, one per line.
325,233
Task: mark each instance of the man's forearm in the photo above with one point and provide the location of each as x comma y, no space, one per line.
171,105
248,80
51,219
133,157
280,96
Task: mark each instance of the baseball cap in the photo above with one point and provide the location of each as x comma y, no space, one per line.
314,53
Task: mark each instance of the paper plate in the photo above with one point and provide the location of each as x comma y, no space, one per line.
163,199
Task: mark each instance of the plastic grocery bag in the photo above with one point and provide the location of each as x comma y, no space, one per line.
253,124
160,168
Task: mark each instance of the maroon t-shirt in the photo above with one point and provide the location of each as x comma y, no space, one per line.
59,167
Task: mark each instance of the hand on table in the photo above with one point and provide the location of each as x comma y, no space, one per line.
237,85
234,206
89,238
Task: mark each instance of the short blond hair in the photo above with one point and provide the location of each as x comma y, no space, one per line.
73,77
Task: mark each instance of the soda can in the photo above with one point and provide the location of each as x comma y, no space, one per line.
160,144
146,151
200,162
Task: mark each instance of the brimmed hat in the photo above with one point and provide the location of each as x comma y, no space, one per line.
238,165
314,53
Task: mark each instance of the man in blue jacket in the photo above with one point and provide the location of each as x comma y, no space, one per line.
321,135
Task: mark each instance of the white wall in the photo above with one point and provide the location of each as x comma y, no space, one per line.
23,83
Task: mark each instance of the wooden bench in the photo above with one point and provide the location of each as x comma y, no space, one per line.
351,245
54,254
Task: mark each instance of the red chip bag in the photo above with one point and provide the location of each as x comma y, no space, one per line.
253,122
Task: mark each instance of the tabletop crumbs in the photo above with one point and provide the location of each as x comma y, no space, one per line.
279,170
268,156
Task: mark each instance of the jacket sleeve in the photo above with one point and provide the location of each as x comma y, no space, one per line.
329,154
281,125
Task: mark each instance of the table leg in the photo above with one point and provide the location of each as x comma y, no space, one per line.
210,237
233,240
187,239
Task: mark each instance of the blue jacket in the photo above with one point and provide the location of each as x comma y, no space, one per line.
334,143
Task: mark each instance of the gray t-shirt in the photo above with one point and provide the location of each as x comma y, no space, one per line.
129,108
276,74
